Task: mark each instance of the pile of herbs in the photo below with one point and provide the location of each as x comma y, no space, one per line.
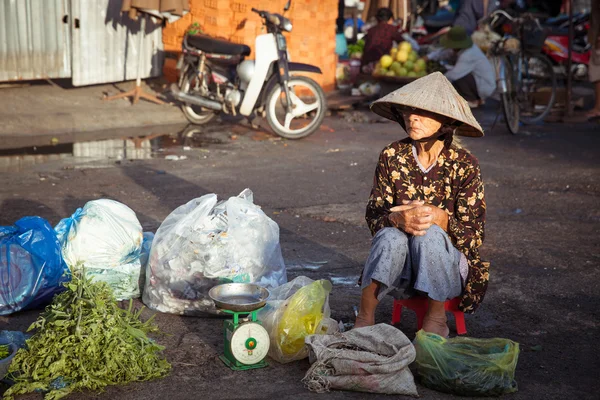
84,341
4,351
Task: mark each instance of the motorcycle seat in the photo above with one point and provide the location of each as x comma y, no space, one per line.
217,46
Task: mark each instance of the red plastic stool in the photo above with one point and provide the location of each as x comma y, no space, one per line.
420,305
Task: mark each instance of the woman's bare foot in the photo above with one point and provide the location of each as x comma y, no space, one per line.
436,325
362,321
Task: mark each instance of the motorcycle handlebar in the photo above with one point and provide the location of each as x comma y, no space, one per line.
268,16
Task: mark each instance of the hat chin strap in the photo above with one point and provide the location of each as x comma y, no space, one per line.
436,136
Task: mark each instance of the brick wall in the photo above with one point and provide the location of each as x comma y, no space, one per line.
311,41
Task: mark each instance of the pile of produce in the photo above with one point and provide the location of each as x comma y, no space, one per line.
356,50
403,61
84,341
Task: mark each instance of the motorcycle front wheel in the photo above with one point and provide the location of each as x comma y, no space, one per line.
195,114
308,108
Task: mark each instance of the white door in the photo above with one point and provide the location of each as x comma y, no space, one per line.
34,39
105,44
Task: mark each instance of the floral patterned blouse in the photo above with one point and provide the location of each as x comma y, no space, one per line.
454,184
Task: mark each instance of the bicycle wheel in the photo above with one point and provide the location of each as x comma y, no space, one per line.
537,88
510,106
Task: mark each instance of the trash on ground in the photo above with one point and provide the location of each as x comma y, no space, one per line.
173,157
295,310
467,366
107,238
537,347
205,243
303,266
333,151
344,280
372,359
84,341
32,269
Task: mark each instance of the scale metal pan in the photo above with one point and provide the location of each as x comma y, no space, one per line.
239,296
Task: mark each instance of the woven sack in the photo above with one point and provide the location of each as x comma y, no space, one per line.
372,359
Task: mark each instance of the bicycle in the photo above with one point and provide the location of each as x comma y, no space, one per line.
525,76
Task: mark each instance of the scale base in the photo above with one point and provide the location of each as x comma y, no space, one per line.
236,366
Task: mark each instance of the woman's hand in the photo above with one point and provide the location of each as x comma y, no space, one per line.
414,217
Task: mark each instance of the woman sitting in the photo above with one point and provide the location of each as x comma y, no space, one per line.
427,207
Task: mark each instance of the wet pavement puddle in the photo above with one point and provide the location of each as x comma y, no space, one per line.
168,145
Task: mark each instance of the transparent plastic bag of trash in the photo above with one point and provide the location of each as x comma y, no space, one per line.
106,237
295,310
467,366
32,269
207,242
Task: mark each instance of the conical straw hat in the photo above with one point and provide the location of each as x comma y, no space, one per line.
433,93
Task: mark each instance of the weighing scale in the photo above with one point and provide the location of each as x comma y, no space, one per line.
246,340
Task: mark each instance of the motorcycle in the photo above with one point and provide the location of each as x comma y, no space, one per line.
556,46
215,77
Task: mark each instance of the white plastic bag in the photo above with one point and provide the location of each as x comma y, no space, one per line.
105,237
204,243
295,310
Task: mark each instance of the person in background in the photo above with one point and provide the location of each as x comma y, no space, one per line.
471,11
472,75
594,66
380,38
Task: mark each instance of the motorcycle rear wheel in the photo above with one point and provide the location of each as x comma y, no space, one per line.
314,105
195,114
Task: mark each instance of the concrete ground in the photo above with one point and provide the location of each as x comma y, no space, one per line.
39,114
542,235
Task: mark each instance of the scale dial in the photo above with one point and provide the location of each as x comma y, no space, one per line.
249,343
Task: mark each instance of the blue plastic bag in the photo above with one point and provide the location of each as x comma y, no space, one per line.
32,269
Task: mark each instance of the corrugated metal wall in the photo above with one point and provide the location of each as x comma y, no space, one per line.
88,40
34,40
106,44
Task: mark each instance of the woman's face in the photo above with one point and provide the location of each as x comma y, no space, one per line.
421,126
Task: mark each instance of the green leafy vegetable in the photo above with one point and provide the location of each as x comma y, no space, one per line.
358,47
4,351
85,341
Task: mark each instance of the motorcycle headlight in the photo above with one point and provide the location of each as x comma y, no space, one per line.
286,24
